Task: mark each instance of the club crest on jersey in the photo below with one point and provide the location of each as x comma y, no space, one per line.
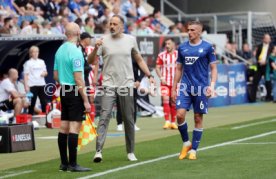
190,60
200,50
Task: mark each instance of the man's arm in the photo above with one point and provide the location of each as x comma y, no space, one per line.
96,70
15,94
92,57
19,10
44,73
214,73
177,77
158,72
141,63
26,80
273,64
56,76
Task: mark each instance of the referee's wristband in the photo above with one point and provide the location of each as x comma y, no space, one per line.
150,76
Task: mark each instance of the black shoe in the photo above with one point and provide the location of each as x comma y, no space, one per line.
78,168
63,167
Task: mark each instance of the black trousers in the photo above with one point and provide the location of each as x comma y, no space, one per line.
38,91
119,114
257,77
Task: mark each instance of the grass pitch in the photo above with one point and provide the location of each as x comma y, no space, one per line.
252,158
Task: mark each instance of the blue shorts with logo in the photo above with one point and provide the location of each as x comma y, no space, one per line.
185,99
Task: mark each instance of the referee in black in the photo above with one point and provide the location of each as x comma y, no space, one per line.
68,71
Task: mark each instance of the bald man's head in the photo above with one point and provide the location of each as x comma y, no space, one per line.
72,30
266,39
13,74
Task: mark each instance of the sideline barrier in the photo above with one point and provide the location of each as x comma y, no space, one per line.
16,138
231,86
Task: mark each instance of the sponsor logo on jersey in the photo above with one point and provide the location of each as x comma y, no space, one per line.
190,60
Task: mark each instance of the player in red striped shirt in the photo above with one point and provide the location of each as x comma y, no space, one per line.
90,72
165,69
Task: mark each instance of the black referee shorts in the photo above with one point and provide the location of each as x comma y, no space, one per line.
6,105
72,108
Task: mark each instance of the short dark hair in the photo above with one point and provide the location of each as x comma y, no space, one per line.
120,17
169,38
195,22
87,20
7,19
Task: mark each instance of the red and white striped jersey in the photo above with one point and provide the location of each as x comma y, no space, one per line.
89,50
167,61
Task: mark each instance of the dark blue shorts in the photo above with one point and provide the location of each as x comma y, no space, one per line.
185,100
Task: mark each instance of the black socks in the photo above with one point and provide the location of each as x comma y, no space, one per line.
72,146
62,145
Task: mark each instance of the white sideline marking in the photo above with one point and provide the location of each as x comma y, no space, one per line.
253,124
16,174
174,155
255,143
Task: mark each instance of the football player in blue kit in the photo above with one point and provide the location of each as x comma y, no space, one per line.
194,59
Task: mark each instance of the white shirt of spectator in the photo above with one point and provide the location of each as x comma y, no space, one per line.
28,30
146,31
142,11
6,87
34,68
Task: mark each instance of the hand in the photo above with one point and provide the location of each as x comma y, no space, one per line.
152,81
43,74
136,84
163,82
27,89
94,82
209,92
262,63
173,95
98,43
87,107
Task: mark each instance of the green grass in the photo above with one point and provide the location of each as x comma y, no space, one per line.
231,161
151,130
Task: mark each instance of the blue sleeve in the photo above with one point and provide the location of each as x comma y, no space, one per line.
180,58
211,55
72,5
124,9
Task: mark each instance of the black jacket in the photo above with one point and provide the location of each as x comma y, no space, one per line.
259,50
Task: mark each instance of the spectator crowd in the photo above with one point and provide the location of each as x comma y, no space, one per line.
29,17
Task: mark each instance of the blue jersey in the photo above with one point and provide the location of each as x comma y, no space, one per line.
195,60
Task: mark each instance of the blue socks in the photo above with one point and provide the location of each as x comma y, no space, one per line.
183,129
197,133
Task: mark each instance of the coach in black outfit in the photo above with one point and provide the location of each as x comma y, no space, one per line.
263,52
